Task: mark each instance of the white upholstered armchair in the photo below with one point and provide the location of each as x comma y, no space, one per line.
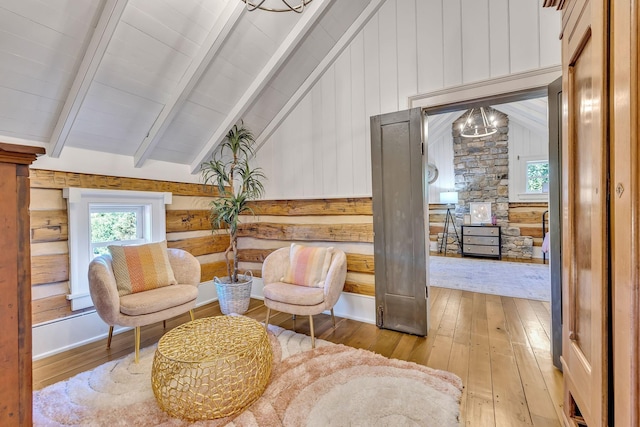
304,300
143,308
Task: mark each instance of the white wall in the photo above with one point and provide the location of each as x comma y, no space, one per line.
409,47
440,151
524,145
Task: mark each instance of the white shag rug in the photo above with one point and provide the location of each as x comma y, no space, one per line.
333,385
512,279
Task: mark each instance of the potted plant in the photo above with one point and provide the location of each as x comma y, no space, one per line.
237,184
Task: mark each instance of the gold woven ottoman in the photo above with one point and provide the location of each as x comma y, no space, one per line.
211,368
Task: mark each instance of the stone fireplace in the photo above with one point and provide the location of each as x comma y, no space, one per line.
481,167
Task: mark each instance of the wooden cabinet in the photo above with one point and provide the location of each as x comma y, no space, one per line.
15,285
482,240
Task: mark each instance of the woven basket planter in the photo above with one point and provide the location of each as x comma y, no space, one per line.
234,297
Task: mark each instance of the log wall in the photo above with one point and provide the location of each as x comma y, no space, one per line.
525,216
345,223
49,232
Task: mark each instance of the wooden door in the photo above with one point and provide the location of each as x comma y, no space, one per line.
399,222
585,212
625,212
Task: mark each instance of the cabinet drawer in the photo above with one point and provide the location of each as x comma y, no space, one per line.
481,250
481,231
481,240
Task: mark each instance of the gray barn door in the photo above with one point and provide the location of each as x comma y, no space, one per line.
399,222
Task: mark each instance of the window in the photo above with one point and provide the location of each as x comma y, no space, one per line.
99,218
116,225
537,176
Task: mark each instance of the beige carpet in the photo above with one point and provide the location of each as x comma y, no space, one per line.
333,385
511,279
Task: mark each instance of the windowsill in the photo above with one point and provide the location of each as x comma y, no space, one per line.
533,197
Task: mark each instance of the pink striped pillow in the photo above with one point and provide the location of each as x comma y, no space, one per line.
308,266
139,268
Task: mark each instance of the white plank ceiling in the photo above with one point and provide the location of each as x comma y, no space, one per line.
155,79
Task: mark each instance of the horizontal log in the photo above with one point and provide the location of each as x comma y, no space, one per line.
50,308
435,229
530,231
49,269
528,205
213,269
437,218
358,263
49,226
253,255
360,288
41,178
308,232
345,206
205,245
526,215
187,220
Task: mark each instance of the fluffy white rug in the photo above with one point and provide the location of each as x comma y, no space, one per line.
333,385
512,279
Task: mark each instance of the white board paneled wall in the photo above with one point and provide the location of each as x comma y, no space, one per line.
408,47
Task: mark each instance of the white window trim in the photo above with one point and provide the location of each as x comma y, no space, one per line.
78,201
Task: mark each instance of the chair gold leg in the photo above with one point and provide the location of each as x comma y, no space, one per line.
313,337
266,322
192,314
333,317
136,334
110,336
164,324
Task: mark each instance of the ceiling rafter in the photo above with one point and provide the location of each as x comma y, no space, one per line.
207,52
526,117
311,14
319,71
97,47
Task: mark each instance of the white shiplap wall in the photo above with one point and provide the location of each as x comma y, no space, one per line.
527,145
408,47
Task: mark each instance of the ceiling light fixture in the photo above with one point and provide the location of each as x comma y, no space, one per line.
471,130
270,5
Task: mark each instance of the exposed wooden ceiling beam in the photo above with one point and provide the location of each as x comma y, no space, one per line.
311,14
207,52
97,47
319,71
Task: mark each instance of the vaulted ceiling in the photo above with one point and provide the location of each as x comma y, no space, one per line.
529,113
155,79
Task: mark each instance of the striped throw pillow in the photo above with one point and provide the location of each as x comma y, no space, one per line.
308,266
140,268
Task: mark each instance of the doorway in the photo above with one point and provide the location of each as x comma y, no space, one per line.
526,219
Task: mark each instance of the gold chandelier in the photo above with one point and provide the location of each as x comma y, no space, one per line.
269,5
477,130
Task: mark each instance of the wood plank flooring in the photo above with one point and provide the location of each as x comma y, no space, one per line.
499,346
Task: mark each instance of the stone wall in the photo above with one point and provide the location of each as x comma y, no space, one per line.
481,166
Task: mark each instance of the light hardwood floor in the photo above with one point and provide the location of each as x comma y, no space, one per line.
499,346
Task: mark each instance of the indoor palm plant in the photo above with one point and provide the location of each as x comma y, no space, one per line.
237,183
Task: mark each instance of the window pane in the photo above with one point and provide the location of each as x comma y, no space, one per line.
537,177
113,226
